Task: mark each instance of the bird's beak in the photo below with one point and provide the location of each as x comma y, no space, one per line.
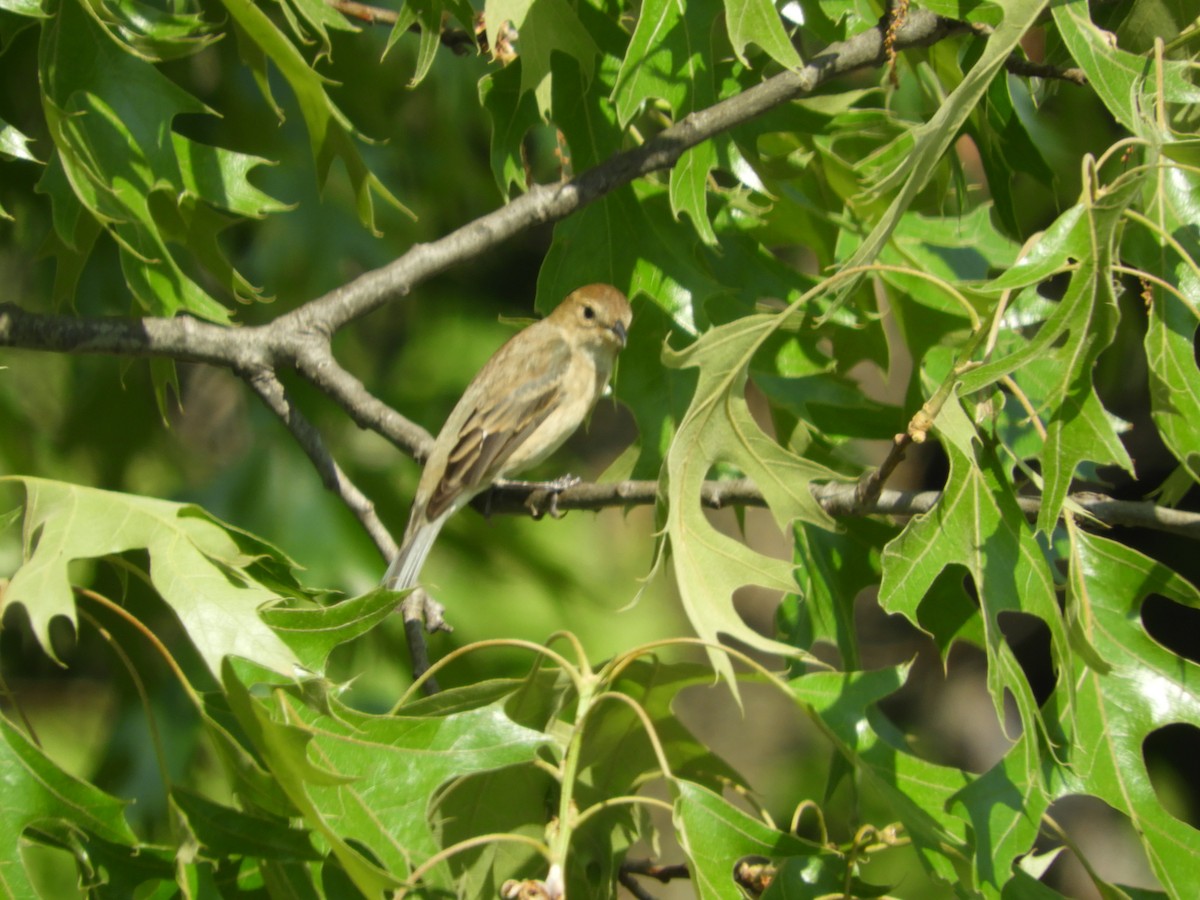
619,330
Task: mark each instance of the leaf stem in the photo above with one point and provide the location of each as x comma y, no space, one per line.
469,843
539,649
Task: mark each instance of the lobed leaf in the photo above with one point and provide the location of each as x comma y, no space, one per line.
196,565
543,27
978,525
365,782
38,794
1141,687
719,429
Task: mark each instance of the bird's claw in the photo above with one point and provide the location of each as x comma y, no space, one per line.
553,489
421,609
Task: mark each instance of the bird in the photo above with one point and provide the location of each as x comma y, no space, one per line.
529,397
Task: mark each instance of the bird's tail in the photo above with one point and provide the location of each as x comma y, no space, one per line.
405,569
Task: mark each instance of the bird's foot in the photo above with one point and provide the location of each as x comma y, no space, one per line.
421,609
554,488
549,488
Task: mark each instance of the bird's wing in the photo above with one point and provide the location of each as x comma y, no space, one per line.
492,433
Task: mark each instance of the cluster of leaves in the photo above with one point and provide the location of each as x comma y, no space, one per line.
1005,304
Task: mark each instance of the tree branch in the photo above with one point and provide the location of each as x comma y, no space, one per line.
274,395
841,501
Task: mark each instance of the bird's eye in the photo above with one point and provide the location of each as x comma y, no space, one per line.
589,313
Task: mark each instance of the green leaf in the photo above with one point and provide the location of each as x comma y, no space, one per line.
1143,688
123,871
1079,428
320,16
1006,147
330,133
714,835
985,13
978,525
110,116
1126,83
151,33
1174,379
511,801
428,15
618,753
917,792
39,794
666,58
31,8
14,144
834,567
364,782
757,22
1005,806
196,565
671,56
313,633
1170,333
719,429
513,112
930,141
224,831
544,26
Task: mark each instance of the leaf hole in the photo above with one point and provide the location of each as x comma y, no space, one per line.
1173,625
1170,755
1029,639
63,637
1106,840
757,607
946,713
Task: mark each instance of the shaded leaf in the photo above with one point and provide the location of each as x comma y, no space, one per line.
37,793
330,133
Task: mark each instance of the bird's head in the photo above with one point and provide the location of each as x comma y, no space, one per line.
599,312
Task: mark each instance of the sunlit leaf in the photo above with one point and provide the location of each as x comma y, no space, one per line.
719,429
977,525
543,28
1144,687
196,566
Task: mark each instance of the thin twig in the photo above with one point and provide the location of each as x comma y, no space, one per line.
657,871
1018,65
271,391
630,884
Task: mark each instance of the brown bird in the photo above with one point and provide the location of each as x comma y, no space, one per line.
526,400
